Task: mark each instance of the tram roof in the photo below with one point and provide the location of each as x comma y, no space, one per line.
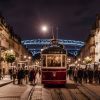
53,50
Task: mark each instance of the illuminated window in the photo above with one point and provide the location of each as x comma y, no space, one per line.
54,61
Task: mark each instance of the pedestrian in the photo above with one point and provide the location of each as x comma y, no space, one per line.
90,75
32,75
99,75
26,74
80,75
10,73
96,74
85,75
14,75
20,76
3,72
39,72
70,73
75,72
1,77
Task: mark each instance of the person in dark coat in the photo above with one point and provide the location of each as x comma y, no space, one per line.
90,75
70,72
26,74
75,75
96,74
1,77
11,73
99,75
80,75
20,75
32,76
85,75
14,75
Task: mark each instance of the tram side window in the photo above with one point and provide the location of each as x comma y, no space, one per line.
54,61
44,61
63,60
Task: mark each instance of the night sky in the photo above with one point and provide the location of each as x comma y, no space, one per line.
74,18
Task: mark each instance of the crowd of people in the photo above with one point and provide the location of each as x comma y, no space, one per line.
84,75
78,75
23,75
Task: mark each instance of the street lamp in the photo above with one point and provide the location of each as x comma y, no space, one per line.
29,57
79,59
25,56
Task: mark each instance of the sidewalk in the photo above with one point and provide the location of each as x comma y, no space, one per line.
5,80
15,92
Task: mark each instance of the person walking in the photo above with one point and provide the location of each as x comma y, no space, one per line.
85,75
10,73
20,76
90,75
99,75
70,73
75,72
32,76
39,72
3,72
80,75
26,75
1,77
14,75
96,74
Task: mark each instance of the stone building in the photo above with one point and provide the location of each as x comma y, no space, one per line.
10,41
91,49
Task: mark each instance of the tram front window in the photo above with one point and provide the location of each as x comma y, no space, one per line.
54,60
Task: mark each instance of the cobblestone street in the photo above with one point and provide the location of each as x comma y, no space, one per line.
71,91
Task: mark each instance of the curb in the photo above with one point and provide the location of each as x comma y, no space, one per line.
5,83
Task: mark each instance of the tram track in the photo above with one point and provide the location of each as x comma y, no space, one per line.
57,94
91,95
73,96
77,94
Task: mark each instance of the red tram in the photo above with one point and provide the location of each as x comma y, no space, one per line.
53,65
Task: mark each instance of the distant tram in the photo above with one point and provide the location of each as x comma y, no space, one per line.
53,64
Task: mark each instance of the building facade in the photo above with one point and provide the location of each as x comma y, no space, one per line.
91,49
10,41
